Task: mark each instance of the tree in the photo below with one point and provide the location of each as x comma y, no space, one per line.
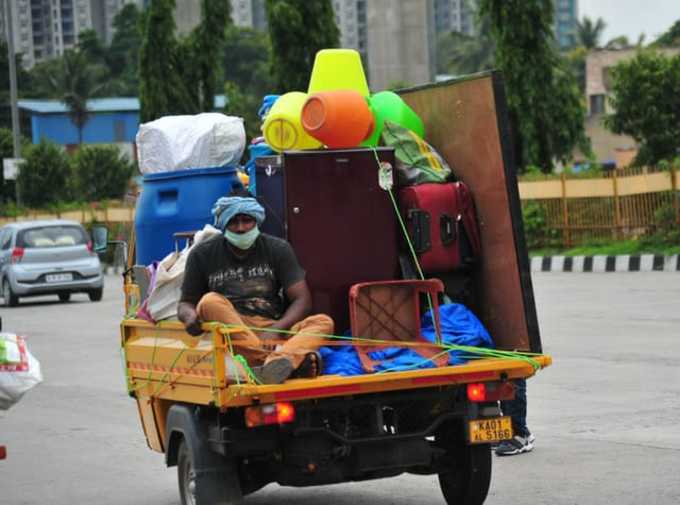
123,53
545,104
461,54
45,176
209,38
647,104
100,173
179,77
671,37
23,80
92,47
245,105
77,82
298,30
7,151
247,77
247,54
162,90
589,33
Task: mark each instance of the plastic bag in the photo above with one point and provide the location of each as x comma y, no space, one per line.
163,300
19,370
417,161
206,140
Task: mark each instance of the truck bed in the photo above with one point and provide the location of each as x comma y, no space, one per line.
163,361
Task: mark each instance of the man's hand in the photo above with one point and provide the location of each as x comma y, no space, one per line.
188,315
193,325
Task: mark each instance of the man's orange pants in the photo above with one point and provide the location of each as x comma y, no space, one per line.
304,337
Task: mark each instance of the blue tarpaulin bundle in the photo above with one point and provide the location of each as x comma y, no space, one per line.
459,326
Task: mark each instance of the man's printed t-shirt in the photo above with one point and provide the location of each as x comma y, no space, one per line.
253,284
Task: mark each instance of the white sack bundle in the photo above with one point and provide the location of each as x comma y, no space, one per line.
206,140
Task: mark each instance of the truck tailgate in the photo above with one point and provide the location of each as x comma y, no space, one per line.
163,361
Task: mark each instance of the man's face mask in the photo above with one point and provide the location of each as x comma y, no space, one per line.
242,240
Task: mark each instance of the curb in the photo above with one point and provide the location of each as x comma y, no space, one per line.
598,264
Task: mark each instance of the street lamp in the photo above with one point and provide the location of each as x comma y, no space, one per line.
13,89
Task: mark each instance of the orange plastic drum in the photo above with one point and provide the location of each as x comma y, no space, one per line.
338,119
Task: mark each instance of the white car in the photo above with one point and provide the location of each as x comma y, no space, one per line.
48,257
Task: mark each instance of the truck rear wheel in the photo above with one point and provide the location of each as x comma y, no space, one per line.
467,482
208,487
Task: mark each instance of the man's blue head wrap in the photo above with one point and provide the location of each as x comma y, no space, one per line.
228,206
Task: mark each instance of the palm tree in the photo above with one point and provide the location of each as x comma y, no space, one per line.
589,32
620,42
75,82
462,54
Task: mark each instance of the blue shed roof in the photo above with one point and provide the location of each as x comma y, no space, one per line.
120,104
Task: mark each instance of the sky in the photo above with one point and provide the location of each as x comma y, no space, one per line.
632,17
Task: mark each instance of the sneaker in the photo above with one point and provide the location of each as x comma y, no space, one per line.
516,445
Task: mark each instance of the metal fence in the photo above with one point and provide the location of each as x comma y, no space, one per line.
620,205
113,214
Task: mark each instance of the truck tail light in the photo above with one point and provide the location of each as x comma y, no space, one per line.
17,254
490,391
274,413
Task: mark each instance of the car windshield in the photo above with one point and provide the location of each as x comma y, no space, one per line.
51,236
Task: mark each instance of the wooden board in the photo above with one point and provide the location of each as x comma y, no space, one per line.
466,121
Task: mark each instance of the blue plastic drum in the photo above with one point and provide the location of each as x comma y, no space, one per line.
174,202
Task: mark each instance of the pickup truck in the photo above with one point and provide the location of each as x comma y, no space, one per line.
229,436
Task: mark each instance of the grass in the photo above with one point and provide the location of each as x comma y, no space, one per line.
612,249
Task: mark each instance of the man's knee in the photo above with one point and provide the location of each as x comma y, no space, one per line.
212,300
324,322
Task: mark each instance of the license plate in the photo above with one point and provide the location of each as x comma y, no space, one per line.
59,277
490,430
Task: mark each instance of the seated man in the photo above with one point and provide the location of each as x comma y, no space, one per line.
245,277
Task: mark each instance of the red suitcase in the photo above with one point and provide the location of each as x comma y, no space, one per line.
442,225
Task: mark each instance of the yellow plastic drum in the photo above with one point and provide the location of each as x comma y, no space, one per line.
283,129
338,69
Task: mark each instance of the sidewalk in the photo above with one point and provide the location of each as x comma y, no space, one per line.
623,263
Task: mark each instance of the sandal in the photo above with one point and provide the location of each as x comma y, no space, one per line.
274,372
311,366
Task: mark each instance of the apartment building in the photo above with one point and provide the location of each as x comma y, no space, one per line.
350,16
401,42
46,28
566,23
455,16
249,13
104,12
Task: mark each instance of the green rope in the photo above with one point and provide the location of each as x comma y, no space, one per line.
412,250
414,365
153,357
162,379
470,352
231,351
249,371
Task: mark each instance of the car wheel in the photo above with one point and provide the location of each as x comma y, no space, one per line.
64,297
11,300
96,294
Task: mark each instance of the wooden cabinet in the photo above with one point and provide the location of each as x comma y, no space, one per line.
341,224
